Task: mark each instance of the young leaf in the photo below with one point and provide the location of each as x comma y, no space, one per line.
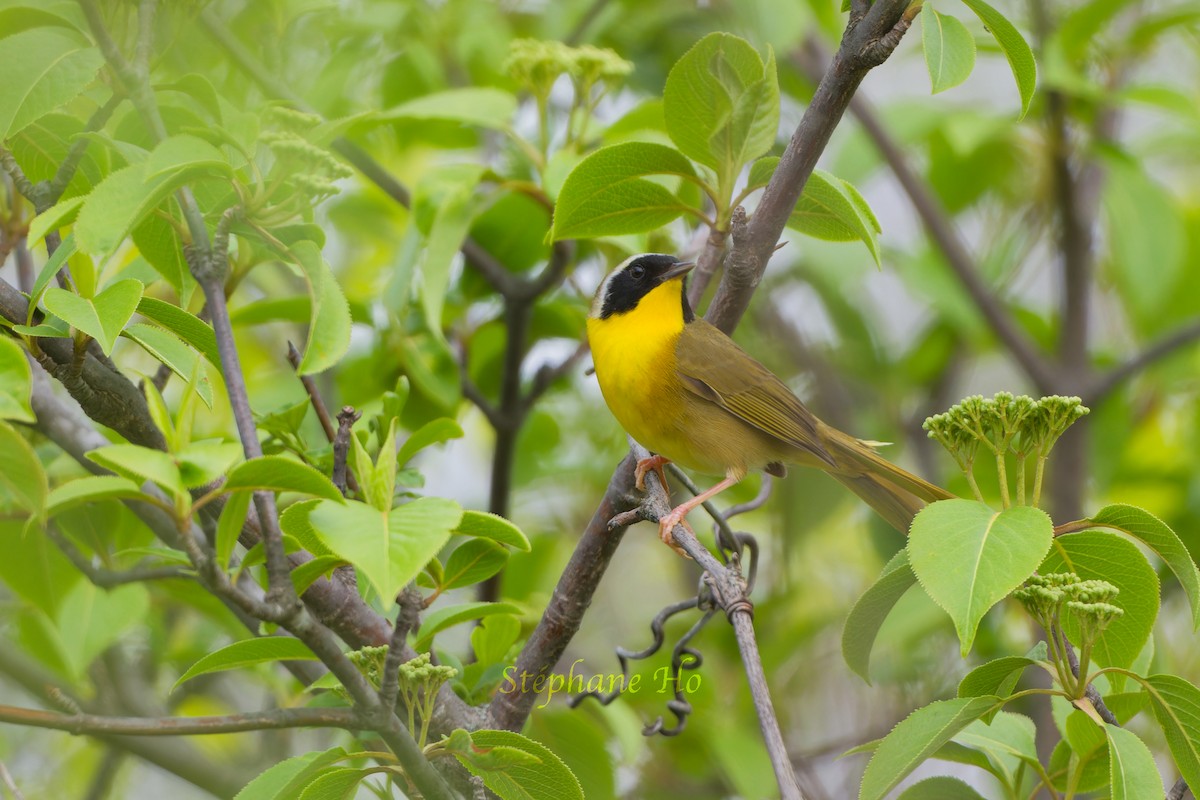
334,783
229,525
53,264
286,779
247,653
454,615
91,619
388,548
102,317
1133,774
1016,49
201,463
833,210
188,327
473,561
1166,544
307,573
915,739
52,219
548,779
16,383
607,193
941,787
92,489
170,350
1006,739
494,636
1176,705
44,69
869,613
329,331
431,433
1106,556
21,472
969,557
998,677
721,103
485,525
141,464
482,106
281,474
949,49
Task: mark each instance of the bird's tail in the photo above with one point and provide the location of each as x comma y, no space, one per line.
895,494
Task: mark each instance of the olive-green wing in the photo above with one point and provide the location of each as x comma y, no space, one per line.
714,368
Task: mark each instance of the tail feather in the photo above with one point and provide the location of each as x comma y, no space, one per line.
895,493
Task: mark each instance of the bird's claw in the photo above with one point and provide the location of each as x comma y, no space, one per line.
666,528
644,465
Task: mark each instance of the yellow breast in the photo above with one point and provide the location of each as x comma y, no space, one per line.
634,354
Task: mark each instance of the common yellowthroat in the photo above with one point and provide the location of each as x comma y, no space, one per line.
689,394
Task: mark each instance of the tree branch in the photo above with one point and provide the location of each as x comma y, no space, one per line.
97,724
1105,384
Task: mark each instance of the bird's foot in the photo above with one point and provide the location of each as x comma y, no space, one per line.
644,465
666,526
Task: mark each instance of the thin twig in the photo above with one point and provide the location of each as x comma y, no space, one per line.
9,783
106,578
707,265
314,394
1105,384
547,375
341,448
275,719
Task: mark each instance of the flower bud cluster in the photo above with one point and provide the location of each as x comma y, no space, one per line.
537,64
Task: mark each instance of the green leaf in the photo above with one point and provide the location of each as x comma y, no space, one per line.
1016,49
1007,741
486,525
1106,556
186,326
721,104
309,572
16,383
549,779
91,489
761,172
1133,773
91,619
329,331
116,206
998,677
471,562
229,525
102,317
334,783
201,463
494,636
183,154
170,350
482,106
53,264
450,616
159,243
917,738
941,787
247,653
833,210
21,473
52,219
969,557
286,779
436,432
388,548
45,68
141,464
281,474
949,49
1176,705
869,613
607,193
295,523
1166,544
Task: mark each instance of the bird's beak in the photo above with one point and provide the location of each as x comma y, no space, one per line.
678,269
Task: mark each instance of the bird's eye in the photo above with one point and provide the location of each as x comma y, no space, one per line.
637,272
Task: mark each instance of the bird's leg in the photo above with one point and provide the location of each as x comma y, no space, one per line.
644,465
679,513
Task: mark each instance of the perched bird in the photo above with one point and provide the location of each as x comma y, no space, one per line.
689,394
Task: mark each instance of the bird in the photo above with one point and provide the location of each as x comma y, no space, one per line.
690,395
